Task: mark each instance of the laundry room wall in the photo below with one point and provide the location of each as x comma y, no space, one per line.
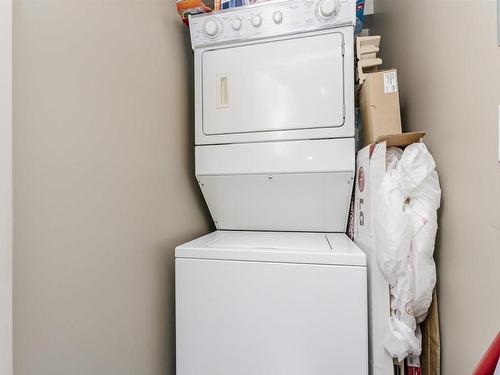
103,184
448,59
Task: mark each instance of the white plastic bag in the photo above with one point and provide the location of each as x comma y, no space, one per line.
404,231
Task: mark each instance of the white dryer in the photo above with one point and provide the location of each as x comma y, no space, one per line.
281,70
274,114
271,303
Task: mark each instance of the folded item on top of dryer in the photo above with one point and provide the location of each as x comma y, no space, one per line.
191,7
186,8
226,4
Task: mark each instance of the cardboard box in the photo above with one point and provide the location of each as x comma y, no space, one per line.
430,359
371,167
370,170
379,104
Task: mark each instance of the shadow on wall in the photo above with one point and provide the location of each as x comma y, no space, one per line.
167,257
189,146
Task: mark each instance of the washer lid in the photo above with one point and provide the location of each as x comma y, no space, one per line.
283,247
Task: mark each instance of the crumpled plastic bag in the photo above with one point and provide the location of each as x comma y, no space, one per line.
404,231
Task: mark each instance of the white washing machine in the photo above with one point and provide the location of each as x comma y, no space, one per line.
278,288
271,303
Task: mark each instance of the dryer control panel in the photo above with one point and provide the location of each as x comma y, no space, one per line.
270,19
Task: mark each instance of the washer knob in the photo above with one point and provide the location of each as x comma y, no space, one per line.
236,24
277,17
256,21
211,28
328,8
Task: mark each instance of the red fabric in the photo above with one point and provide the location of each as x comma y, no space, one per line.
413,371
489,361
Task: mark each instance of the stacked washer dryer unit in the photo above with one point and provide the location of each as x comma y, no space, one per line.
278,289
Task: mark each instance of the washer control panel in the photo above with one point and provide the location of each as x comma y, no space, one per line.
270,19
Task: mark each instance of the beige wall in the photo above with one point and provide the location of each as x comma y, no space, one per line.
6,355
104,185
449,64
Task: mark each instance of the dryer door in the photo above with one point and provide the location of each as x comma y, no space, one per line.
279,85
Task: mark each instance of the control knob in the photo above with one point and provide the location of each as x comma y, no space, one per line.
236,24
277,17
211,28
256,20
328,8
